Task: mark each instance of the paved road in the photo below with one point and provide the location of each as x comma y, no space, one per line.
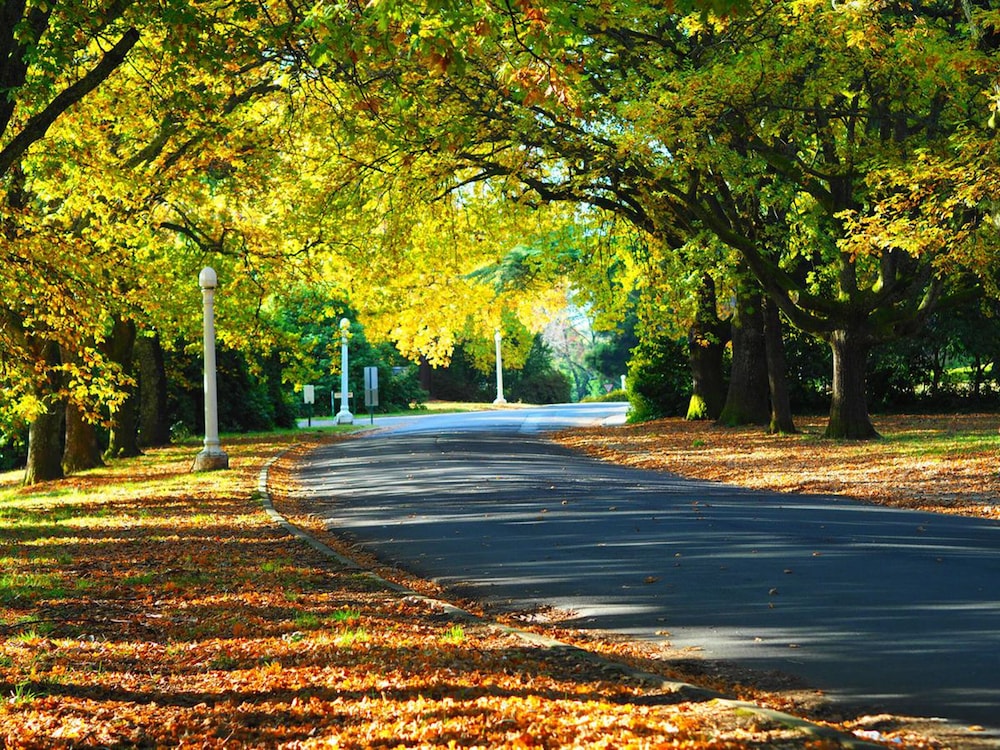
894,608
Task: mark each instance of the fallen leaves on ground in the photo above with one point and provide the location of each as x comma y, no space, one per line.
145,606
930,462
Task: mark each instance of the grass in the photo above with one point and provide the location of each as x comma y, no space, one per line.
30,586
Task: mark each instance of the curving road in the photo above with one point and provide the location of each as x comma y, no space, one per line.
880,606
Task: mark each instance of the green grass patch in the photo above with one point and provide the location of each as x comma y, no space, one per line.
351,636
139,579
30,586
23,693
454,635
275,566
308,620
346,616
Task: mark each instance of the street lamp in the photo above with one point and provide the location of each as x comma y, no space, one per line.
212,456
344,416
499,400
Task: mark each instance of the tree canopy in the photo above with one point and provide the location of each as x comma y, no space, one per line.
451,169
845,152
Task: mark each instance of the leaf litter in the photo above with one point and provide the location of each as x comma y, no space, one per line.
144,606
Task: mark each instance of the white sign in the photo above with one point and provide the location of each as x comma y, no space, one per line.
309,394
371,386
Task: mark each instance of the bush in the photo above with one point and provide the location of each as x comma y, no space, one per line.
659,379
612,396
13,450
551,387
538,381
247,401
402,389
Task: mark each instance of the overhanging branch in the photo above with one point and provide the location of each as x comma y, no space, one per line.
37,126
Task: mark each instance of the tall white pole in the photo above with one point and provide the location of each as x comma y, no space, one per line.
344,416
212,456
499,400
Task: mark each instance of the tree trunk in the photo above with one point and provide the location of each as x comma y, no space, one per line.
426,375
977,376
747,398
849,418
45,431
777,372
83,449
154,426
706,342
124,438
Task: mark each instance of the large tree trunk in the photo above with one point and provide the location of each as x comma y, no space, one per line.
706,343
747,398
83,449
154,426
849,409
45,446
124,438
45,431
777,372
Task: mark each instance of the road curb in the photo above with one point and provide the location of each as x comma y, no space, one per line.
684,690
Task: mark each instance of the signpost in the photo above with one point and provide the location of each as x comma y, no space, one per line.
371,391
309,398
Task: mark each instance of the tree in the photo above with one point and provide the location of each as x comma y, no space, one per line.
158,128
792,132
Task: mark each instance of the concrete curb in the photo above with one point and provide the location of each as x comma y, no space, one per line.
683,690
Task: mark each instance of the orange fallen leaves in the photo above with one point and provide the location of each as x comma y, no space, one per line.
203,625
924,461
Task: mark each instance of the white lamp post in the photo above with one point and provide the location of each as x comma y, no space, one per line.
499,400
211,457
344,416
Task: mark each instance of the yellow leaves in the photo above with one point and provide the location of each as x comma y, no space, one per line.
993,97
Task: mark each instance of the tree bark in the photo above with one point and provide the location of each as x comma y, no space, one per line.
83,449
777,372
706,342
747,397
154,426
849,418
123,441
45,431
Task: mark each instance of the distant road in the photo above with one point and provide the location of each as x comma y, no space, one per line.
875,605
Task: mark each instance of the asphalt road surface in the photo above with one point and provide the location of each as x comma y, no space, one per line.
885,607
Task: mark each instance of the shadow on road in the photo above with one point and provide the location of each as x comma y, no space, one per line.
873,604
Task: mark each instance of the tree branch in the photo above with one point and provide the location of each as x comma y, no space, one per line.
37,126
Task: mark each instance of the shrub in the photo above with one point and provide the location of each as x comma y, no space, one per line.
659,379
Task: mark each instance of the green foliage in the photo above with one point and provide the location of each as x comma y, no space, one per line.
538,381
308,318
13,448
401,390
809,369
950,364
611,351
251,396
461,380
614,396
659,379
